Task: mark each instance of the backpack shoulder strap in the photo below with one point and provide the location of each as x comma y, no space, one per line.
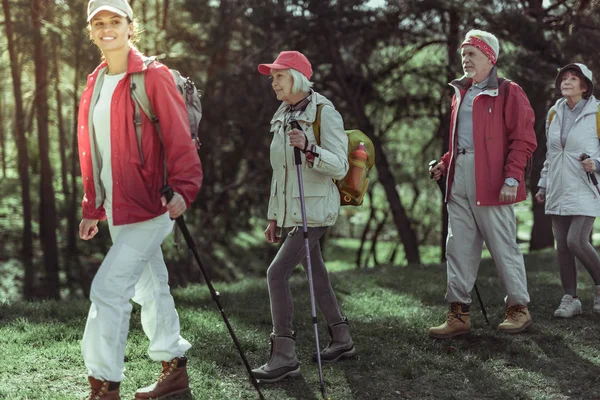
138,91
551,115
142,101
317,124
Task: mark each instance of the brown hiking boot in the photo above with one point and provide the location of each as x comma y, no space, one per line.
517,318
282,360
458,322
340,346
173,380
103,390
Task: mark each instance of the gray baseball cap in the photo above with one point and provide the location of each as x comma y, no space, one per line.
120,7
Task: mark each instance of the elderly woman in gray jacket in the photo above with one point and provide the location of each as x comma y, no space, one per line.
565,185
290,74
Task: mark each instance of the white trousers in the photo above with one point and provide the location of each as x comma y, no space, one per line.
469,225
134,268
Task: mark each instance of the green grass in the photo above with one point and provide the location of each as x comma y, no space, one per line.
390,309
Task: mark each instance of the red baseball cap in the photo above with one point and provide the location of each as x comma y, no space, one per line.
287,60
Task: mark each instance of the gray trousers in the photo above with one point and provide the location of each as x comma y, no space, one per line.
572,234
292,253
469,225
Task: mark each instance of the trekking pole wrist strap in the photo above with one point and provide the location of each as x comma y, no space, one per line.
310,150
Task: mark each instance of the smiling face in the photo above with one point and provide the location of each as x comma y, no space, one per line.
110,32
572,86
475,64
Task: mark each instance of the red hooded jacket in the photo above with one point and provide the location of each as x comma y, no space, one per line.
136,187
503,138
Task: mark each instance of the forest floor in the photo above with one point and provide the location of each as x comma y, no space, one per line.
390,309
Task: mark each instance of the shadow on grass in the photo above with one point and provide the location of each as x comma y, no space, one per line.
390,309
398,361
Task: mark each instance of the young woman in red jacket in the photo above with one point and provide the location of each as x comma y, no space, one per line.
122,177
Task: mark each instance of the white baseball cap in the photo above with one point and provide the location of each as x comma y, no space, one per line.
582,69
120,7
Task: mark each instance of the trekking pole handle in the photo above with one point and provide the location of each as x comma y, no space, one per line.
590,174
167,191
297,157
440,182
432,164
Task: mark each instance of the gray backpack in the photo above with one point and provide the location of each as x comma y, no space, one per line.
191,98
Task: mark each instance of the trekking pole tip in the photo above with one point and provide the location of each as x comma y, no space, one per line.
323,392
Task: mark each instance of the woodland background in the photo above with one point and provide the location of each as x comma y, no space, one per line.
384,64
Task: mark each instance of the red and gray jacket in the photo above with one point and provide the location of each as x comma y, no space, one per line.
503,138
136,183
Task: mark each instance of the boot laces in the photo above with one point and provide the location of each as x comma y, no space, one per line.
167,369
99,391
454,313
515,312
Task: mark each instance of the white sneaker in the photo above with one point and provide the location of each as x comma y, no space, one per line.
569,306
597,299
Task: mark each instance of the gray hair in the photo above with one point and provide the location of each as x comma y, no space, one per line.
301,83
487,37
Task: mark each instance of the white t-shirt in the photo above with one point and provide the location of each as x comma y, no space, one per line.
101,121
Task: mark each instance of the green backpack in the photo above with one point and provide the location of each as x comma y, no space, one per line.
355,184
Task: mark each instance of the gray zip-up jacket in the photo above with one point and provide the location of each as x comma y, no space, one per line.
568,189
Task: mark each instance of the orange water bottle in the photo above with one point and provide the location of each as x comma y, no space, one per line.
356,177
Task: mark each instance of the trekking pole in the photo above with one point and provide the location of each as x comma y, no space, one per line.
590,175
298,161
442,185
167,191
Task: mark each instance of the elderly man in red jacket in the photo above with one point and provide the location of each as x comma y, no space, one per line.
491,141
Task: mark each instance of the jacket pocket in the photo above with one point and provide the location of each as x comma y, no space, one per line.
316,198
589,185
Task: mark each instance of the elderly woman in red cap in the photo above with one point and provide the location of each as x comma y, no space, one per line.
290,75
573,156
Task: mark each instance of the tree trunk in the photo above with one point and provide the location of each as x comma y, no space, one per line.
165,15
541,231
378,230
453,37
62,140
23,156
47,202
145,23
401,220
74,204
365,233
2,134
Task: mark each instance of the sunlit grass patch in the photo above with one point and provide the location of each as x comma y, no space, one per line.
390,309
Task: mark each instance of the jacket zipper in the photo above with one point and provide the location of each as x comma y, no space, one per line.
284,179
453,144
